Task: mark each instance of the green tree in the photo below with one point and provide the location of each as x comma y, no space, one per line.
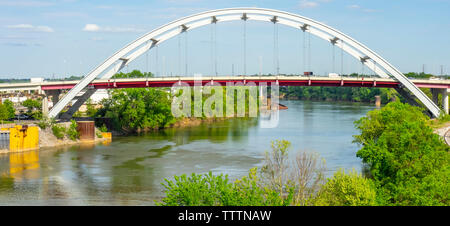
31,104
4,115
349,189
408,162
34,108
72,131
9,105
137,109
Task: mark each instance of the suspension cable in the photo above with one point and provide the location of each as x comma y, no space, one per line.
212,50
375,68
245,47
146,60
333,58
362,69
156,61
179,55
309,51
186,53
215,49
342,57
299,55
304,52
275,49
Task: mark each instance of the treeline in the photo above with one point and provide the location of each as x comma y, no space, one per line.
138,109
353,94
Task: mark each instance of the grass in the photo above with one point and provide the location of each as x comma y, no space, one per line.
439,122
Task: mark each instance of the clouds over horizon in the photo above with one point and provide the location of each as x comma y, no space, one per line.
97,28
32,28
304,4
20,3
358,7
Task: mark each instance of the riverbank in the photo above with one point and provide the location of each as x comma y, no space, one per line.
48,140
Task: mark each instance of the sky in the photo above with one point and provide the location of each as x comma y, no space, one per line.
60,38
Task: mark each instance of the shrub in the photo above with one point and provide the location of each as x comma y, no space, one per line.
45,122
197,190
301,177
99,134
217,190
58,131
347,190
72,132
103,128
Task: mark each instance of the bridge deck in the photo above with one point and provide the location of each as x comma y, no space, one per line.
223,80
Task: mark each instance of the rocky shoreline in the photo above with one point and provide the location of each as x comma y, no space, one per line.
48,140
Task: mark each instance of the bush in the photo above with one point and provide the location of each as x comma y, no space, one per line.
103,129
347,190
58,131
196,190
408,162
216,190
99,134
300,177
72,132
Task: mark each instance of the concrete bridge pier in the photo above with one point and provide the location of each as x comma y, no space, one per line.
445,100
55,98
45,106
435,96
54,94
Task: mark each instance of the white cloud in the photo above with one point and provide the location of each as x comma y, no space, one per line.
29,27
358,7
91,27
308,4
21,3
65,15
96,28
21,44
354,6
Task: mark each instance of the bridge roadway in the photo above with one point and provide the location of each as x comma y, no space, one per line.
282,81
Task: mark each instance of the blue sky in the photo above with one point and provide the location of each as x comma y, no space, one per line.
45,38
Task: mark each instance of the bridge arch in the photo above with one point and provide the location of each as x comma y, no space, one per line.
133,50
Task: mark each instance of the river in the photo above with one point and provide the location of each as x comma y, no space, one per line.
130,170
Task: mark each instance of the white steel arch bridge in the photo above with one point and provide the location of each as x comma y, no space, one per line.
133,50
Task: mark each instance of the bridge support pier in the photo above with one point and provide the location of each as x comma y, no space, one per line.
80,101
445,100
54,94
45,106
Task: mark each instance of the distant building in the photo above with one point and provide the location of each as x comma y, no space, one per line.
99,95
36,80
15,99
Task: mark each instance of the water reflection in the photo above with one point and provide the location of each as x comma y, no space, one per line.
130,170
24,165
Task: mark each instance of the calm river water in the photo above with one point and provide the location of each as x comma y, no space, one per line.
130,170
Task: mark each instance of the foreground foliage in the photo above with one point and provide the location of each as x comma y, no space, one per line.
408,162
280,182
349,189
407,165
